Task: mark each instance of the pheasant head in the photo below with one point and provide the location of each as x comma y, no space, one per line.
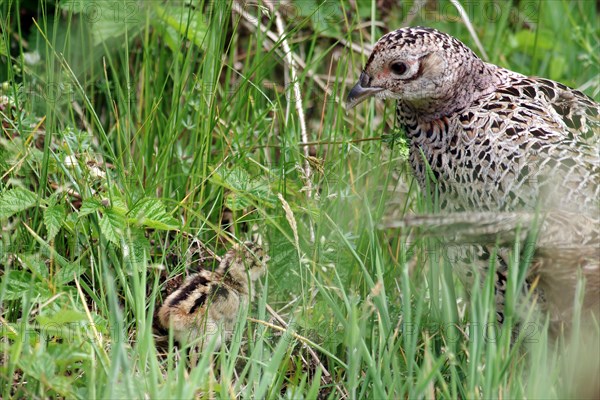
429,72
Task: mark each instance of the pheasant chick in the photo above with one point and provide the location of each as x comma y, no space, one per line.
207,303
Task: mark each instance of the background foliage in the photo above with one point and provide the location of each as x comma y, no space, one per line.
128,127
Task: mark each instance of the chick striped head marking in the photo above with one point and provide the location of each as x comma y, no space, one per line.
243,261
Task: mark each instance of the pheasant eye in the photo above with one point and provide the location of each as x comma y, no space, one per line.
399,68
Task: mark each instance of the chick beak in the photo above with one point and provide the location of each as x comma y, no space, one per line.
361,91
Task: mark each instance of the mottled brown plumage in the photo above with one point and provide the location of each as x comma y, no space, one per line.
208,302
491,140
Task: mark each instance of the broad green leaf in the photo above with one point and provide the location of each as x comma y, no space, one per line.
67,353
326,16
116,202
136,247
3,47
151,212
108,19
246,188
42,367
62,317
235,201
111,226
68,273
185,22
53,219
15,200
19,283
238,179
35,263
89,206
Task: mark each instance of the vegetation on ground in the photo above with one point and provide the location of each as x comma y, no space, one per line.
130,127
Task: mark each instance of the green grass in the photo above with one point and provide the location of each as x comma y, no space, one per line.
137,123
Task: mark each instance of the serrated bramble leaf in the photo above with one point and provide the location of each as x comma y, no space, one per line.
238,179
53,219
35,263
136,247
68,273
117,204
246,189
15,200
18,283
111,226
236,202
89,206
151,212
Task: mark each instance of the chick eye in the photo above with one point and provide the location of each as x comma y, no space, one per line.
399,68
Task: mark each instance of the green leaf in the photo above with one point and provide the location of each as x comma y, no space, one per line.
237,178
151,212
62,317
109,20
136,247
53,219
18,283
69,352
68,273
245,188
42,367
112,225
237,202
326,16
35,263
185,22
116,203
3,47
15,200
89,206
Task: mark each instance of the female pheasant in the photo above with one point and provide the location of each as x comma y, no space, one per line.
493,141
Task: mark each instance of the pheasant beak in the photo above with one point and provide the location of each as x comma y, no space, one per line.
361,91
